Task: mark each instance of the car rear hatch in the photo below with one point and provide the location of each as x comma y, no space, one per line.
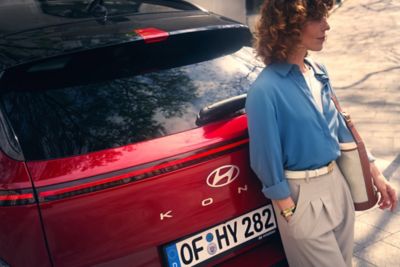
123,174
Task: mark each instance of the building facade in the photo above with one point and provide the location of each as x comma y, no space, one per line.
239,10
235,9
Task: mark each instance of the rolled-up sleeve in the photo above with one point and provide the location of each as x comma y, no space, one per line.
265,145
344,134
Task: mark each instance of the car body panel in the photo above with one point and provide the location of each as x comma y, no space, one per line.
20,223
22,241
69,169
13,174
168,204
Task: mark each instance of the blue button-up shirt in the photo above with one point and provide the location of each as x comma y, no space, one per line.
287,131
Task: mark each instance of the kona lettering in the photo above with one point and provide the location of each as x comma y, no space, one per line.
166,215
204,203
240,189
207,201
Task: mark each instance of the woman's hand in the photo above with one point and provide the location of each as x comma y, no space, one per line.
284,204
388,195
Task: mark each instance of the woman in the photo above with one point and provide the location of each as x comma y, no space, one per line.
295,131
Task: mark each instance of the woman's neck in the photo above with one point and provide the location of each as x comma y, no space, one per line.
298,59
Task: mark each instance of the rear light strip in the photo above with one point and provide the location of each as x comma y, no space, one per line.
70,189
127,176
120,178
16,198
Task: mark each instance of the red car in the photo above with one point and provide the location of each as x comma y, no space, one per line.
123,137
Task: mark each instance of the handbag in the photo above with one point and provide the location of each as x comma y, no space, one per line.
355,167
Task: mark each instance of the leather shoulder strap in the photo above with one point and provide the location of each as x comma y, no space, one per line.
347,119
338,107
362,152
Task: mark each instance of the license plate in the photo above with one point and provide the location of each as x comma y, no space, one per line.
222,238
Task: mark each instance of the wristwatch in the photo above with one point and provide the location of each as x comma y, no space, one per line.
288,212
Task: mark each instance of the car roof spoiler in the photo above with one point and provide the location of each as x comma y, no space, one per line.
77,35
138,55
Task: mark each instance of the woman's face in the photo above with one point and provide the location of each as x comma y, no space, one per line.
314,34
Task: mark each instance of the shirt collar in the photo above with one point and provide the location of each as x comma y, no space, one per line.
320,73
283,69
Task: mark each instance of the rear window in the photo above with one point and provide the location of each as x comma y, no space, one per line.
79,119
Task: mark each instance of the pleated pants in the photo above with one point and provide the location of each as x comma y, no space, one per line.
321,231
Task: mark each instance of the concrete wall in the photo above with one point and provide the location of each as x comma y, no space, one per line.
235,9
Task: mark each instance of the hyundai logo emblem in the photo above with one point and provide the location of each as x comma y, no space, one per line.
222,176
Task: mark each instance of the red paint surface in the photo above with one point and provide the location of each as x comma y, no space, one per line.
21,238
122,226
13,174
74,168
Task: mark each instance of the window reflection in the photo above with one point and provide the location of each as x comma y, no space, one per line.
86,118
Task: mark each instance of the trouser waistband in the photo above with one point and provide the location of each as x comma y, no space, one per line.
305,174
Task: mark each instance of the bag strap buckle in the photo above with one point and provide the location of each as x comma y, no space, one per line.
346,116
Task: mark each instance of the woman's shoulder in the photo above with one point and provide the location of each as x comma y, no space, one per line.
267,78
265,87
269,81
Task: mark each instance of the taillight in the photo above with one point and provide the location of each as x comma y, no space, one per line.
152,35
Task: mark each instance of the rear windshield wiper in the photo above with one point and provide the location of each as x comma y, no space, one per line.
222,109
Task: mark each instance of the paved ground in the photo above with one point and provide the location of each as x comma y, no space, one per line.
363,58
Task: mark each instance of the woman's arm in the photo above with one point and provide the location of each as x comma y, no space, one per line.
388,195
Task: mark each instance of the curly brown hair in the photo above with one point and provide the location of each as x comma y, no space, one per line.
278,31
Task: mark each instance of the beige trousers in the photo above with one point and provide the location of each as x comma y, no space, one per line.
321,231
